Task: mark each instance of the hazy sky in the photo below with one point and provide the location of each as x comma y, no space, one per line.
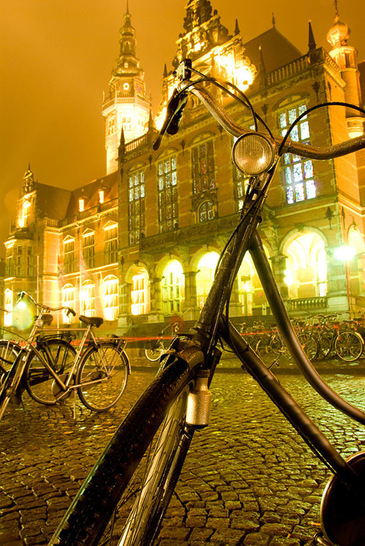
57,57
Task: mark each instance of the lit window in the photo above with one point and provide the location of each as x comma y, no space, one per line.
81,204
110,287
111,244
136,205
202,164
205,275
87,298
140,294
68,300
167,194
68,255
297,172
8,304
206,211
173,287
101,195
88,249
127,123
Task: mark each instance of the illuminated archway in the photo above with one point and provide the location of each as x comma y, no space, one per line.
110,297
173,287
204,277
306,266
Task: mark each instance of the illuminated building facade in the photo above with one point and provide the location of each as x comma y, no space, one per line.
140,246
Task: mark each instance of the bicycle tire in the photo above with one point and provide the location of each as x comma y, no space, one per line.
39,381
349,346
309,345
154,352
10,384
9,351
102,376
115,477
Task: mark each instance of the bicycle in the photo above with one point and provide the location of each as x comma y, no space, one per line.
52,370
128,491
55,348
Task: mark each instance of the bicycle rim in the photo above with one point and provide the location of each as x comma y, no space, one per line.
39,381
10,383
102,377
349,346
109,490
153,353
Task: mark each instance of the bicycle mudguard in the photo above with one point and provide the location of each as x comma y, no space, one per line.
343,510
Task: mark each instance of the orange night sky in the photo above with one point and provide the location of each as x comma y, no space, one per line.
57,57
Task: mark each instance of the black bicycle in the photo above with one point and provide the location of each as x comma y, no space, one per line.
129,489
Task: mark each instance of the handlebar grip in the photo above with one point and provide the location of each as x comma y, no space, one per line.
173,126
71,312
173,115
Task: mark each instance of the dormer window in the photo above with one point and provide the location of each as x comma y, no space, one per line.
81,204
101,195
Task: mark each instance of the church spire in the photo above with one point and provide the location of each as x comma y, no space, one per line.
126,108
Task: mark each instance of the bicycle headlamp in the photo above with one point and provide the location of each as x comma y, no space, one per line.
254,153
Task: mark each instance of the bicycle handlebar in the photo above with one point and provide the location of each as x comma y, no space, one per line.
45,308
178,101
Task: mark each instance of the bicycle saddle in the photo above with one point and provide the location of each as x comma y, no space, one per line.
94,321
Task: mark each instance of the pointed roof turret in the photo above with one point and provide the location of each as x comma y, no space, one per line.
236,28
29,182
311,41
339,33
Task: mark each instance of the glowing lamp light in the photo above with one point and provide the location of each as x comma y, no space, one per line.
22,317
344,253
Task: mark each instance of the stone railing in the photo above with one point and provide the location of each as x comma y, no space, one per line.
306,304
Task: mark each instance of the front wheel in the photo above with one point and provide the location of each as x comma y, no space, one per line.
56,354
133,481
154,350
349,346
102,376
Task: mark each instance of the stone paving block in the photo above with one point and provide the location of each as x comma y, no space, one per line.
229,537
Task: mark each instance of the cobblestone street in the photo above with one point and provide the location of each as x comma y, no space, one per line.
249,478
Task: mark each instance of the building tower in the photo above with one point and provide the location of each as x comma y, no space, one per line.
346,58
125,105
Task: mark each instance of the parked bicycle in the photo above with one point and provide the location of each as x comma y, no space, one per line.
129,488
52,369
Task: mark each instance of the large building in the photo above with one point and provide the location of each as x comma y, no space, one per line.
140,245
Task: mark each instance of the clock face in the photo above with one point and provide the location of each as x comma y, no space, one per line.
126,86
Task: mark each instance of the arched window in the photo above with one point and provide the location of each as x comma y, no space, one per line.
140,294
88,298
173,287
8,304
110,294
68,300
205,275
206,211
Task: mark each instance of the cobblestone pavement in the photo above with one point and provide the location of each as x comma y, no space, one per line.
249,478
